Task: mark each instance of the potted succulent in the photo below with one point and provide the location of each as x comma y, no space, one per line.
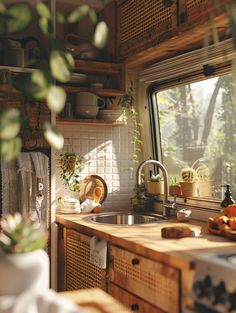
71,165
175,188
155,185
204,183
24,265
189,182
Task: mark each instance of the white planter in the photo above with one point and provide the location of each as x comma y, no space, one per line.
20,272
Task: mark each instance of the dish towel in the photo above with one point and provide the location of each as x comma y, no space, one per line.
98,252
39,200
9,183
24,182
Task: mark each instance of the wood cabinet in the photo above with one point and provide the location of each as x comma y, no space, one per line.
148,284
74,268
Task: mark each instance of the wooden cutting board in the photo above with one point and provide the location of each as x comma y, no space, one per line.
89,185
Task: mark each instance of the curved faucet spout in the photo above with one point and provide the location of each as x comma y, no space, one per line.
165,176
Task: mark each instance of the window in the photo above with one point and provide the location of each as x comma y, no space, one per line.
196,123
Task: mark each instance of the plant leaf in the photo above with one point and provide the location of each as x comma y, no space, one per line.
60,18
9,149
53,136
56,98
59,66
100,35
78,13
43,10
9,124
19,17
93,16
2,8
46,27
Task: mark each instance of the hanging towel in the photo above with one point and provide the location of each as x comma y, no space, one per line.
9,187
39,200
24,182
98,252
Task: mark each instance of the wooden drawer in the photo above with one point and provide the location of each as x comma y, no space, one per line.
78,271
154,282
132,302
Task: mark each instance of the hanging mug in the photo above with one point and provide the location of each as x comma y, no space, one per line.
87,104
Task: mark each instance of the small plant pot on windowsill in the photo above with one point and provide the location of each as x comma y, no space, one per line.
204,189
175,191
189,189
155,188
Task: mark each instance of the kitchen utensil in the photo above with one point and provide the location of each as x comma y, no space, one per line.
88,188
111,115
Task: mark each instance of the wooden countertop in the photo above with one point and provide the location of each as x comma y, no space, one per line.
146,240
95,300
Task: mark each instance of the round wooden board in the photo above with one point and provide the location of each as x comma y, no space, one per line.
87,186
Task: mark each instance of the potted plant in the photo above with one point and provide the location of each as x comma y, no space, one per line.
24,265
71,165
175,188
189,182
155,185
204,184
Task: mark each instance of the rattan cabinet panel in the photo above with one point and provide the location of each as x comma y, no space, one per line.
154,282
142,24
79,273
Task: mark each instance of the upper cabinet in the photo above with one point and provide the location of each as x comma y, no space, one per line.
154,30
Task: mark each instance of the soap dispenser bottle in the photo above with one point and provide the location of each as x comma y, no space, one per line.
228,197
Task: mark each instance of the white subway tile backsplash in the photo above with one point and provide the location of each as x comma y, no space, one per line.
106,151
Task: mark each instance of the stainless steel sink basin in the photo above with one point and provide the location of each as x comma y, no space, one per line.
126,218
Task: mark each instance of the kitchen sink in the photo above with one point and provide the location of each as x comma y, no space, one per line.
126,218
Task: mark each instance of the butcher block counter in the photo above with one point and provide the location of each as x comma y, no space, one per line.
146,239
147,273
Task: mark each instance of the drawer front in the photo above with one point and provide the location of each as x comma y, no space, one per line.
79,272
132,302
152,281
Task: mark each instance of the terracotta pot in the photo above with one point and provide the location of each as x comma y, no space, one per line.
24,271
155,188
175,191
189,189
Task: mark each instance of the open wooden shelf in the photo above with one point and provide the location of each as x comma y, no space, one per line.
98,91
95,67
94,122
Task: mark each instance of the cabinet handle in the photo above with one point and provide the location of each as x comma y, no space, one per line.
134,307
135,261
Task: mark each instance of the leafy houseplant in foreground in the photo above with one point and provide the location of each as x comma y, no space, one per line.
40,84
71,166
24,265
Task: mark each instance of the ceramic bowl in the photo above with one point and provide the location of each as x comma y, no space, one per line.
87,111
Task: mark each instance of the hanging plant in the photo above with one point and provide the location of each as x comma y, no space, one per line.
71,166
127,102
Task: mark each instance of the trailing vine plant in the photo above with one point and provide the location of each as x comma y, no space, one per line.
71,165
127,102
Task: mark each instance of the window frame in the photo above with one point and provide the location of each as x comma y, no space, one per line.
219,70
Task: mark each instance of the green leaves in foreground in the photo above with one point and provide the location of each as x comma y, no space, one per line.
16,17
53,136
10,143
21,235
100,35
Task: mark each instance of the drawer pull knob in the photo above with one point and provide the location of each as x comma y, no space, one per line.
134,307
135,261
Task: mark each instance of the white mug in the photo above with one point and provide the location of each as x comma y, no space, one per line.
87,104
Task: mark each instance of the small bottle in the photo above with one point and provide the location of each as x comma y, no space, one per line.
228,197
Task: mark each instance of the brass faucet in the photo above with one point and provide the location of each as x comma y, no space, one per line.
167,208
